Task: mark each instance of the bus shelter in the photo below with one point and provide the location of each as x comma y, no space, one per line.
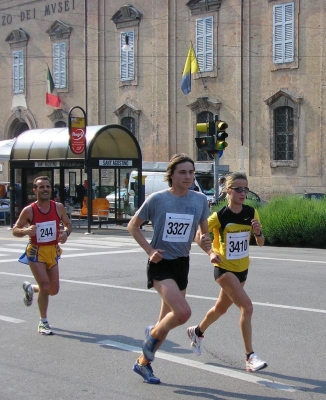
92,185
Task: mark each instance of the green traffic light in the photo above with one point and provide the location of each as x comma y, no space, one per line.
221,145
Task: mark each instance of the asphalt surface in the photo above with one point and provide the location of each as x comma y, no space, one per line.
103,307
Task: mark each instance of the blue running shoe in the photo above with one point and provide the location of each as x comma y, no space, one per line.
149,344
146,372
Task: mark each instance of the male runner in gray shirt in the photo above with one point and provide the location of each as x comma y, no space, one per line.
176,214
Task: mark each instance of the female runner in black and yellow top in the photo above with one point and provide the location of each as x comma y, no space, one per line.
232,227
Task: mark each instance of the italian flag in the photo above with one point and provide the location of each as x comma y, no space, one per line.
52,98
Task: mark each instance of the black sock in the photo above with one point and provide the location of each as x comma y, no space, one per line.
198,332
248,355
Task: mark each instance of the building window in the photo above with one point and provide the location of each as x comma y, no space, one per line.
129,123
59,33
283,131
60,65
18,40
283,33
18,71
128,116
202,117
128,17
127,58
284,114
205,43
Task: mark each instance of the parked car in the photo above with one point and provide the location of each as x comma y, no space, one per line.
4,202
120,201
252,196
4,210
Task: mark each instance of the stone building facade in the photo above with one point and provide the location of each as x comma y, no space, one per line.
262,71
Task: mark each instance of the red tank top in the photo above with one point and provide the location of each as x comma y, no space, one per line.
47,225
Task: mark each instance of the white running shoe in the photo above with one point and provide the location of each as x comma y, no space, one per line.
44,328
28,293
254,363
196,341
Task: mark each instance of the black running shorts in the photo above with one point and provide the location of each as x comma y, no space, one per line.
242,276
177,269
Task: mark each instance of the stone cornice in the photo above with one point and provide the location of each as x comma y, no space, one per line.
203,6
127,16
17,36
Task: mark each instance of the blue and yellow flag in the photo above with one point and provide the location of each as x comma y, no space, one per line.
191,67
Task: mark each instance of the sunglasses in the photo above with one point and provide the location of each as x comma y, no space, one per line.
240,189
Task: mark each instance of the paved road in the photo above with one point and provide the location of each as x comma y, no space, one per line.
103,307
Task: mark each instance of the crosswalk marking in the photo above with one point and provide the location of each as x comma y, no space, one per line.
9,319
74,245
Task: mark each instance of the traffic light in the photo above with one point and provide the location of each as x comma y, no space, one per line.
206,143
214,142
221,135
208,127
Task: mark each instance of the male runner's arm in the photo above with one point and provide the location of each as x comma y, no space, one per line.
22,226
155,255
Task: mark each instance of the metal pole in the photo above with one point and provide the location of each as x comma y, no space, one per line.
13,196
216,177
216,166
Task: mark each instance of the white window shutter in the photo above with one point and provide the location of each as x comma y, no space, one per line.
63,68
205,43
56,63
200,43
123,59
18,71
283,33
288,32
131,56
59,65
127,58
209,44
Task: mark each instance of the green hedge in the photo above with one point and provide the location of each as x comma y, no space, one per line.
292,221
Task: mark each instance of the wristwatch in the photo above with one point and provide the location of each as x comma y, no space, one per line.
260,234
67,232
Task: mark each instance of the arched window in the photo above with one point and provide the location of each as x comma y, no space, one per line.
204,116
283,134
129,123
284,113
